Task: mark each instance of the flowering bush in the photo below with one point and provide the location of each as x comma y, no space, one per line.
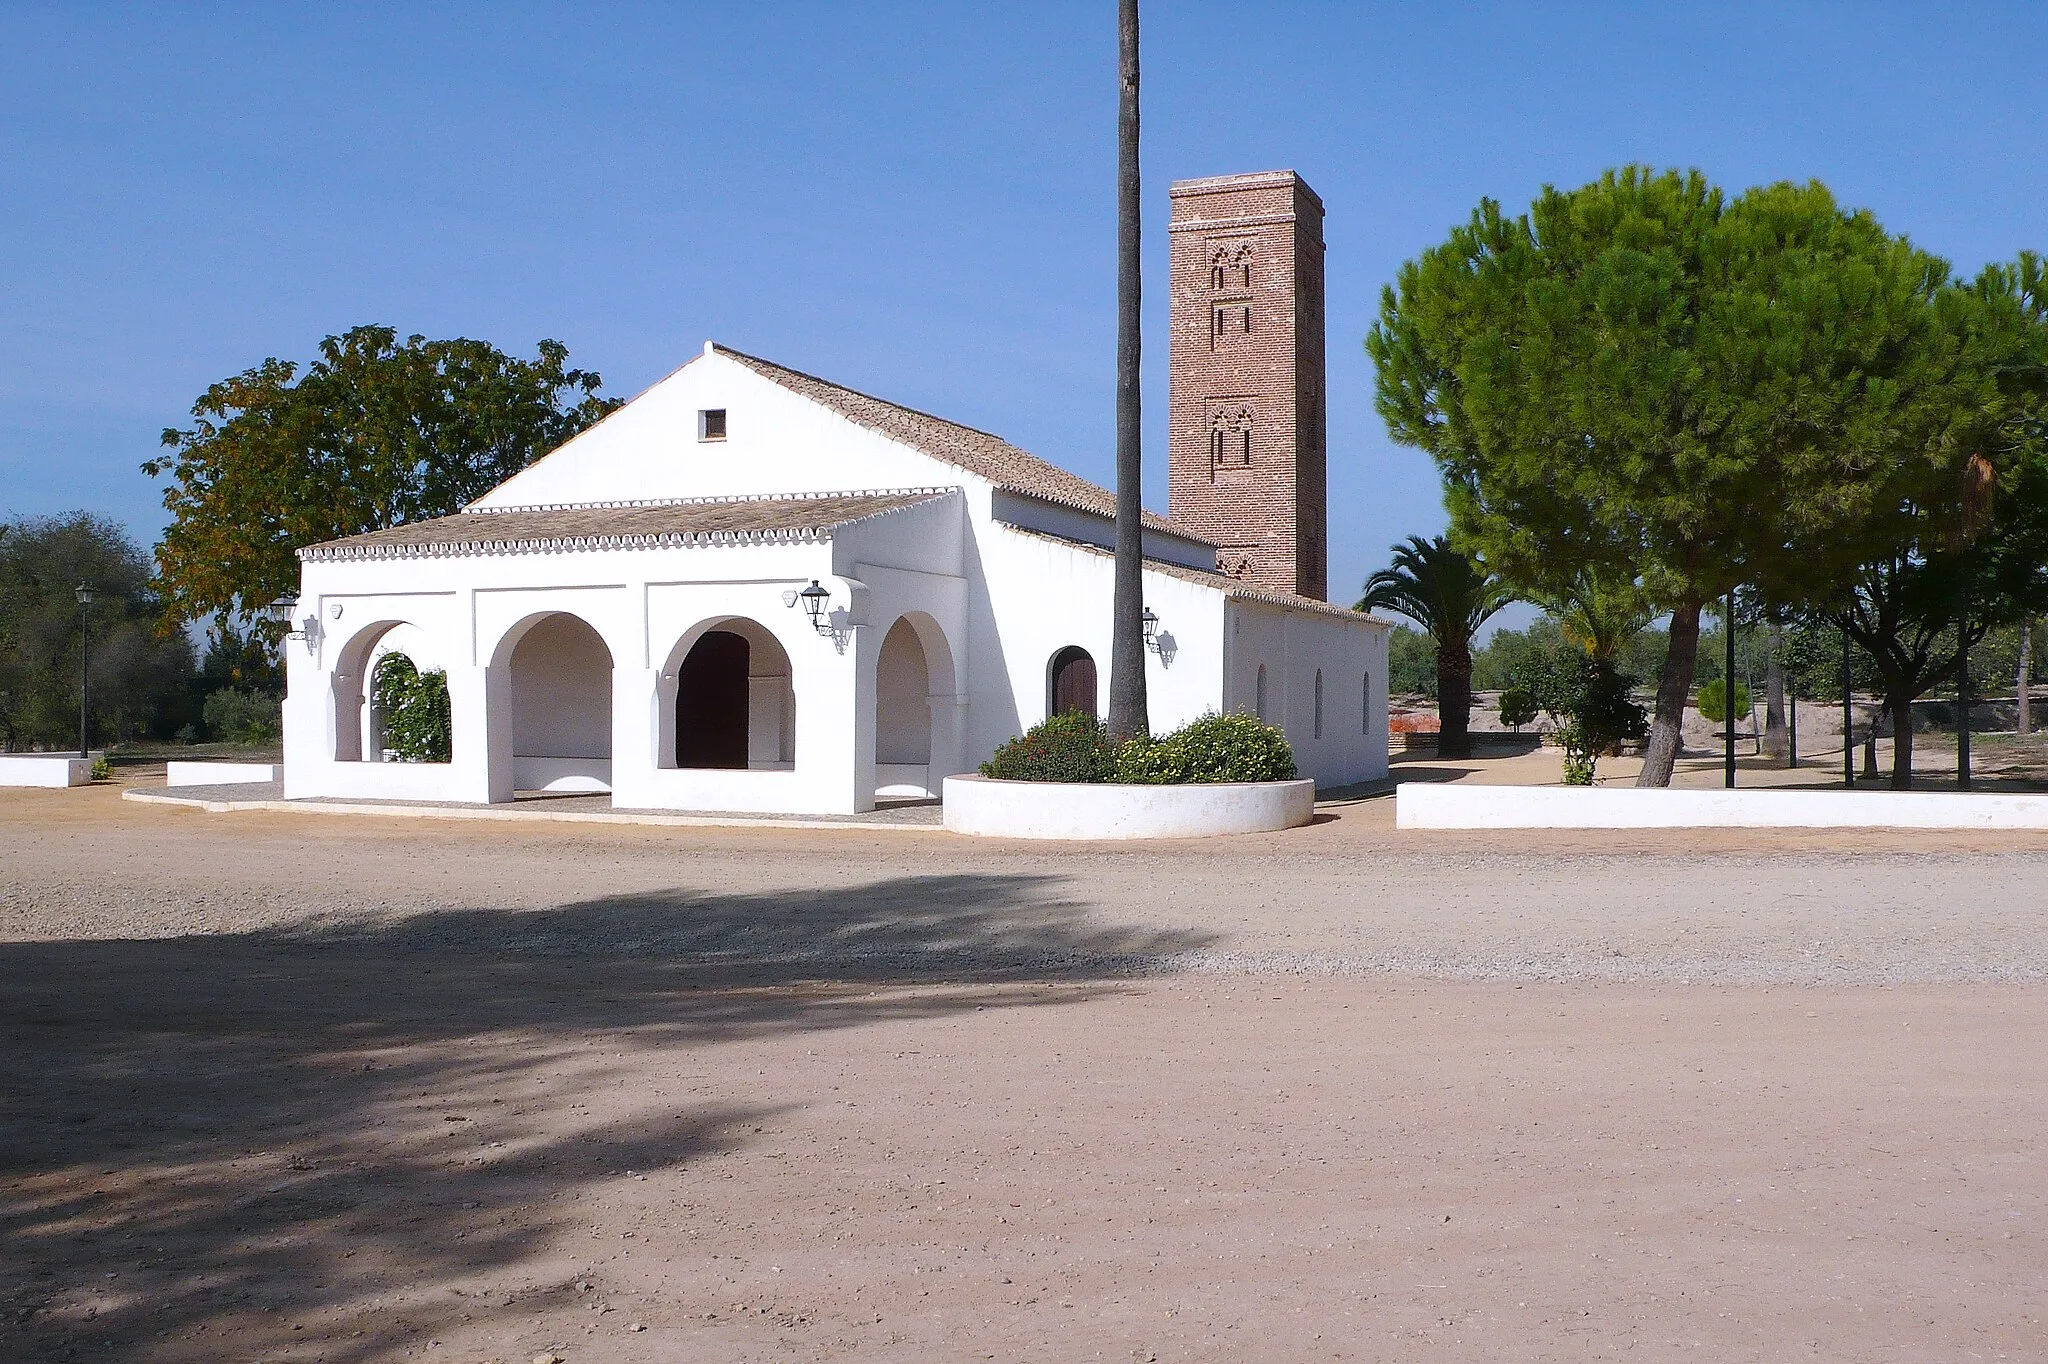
1068,747
1211,748
412,708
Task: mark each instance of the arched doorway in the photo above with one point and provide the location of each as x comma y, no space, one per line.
358,726
1073,682
561,686
903,714
735,706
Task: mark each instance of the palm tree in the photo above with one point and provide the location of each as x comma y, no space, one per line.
1449,596
1128,715
1602,615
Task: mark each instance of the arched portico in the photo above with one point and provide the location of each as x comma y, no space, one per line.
727,700
557,733
357,736
916,717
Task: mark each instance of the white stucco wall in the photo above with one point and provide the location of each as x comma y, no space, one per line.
989,605
1294,647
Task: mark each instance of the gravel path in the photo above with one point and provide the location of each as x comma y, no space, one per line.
1349,896
293,1087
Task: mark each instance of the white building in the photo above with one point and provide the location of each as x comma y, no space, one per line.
625,616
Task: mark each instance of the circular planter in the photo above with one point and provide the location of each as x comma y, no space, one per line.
1106,810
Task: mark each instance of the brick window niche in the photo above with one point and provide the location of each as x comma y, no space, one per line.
711,423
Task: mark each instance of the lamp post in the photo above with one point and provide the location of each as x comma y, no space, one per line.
1791,722
1848,714
85,594
1728,692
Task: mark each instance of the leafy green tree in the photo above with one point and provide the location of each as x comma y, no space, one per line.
1978,549
140,677
1411,663
375,432
1450,597
1641,379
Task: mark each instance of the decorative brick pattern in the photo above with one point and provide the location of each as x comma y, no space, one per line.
1247,453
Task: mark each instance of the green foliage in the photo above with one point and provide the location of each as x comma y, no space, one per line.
102,769
1074,747
374,433
139,676
1411,662
1450,596
412,710
1713,700
239,657
244,717
1211,748
1646,380
1517,707
1070,746
1580,756
1441,590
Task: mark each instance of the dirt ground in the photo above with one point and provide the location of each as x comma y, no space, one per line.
293,1087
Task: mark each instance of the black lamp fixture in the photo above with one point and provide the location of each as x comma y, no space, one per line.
84,593
1150,621
815,600
281,610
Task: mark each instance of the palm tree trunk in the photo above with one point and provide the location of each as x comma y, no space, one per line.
1128,713
1660,754
1454,701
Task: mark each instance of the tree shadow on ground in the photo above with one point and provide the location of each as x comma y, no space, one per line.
305,1142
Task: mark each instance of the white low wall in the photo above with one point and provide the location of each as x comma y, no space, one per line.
1436,805
1086,810
217,774
44,769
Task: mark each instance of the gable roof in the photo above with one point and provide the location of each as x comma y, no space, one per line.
624,525
988,456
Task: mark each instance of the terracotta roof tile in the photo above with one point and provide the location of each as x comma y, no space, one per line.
978,452
627,525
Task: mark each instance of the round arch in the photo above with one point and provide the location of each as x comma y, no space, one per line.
916,718
1070,682
556,731
356,726
727,699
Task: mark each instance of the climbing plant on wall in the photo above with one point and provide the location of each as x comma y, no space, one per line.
412,710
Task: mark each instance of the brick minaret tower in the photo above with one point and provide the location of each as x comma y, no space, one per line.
1247,458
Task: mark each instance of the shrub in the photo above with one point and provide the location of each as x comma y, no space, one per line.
1212,748
1069,747
1714,700
413,709
102,769
1517,707
243,717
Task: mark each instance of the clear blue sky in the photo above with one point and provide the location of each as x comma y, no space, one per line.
917,200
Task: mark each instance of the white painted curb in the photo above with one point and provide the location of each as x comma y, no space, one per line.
1446,805
217,774
44,769
1107,810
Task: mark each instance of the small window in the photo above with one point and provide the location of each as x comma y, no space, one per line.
1365,723
1247,319
1247,434
1319,703
1259,693
1216,278
711,424
1222,321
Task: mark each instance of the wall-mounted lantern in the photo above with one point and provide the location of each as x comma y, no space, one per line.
815,599
1150,621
